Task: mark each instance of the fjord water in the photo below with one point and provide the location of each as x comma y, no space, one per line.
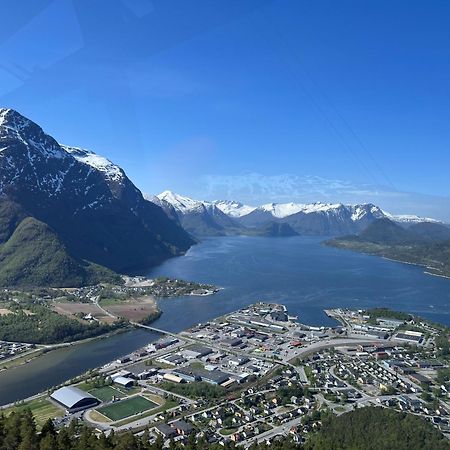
299,272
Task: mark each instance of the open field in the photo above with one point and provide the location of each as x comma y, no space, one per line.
135,309
168,404
105,393
126,408
70,309
5,311
97,417
41,408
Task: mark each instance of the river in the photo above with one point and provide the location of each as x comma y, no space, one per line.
299,272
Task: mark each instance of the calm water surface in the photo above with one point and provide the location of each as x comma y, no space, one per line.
299,272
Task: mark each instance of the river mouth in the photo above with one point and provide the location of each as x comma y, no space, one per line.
299,272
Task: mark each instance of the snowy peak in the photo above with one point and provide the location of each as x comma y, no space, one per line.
15,127
232,208
282,210
368,210
181,203
97,162
358,214
13,120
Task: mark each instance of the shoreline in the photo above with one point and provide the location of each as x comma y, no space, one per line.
426,269
422,266
47,348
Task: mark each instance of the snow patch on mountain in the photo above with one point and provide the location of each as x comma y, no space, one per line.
232,208
109,169
409,218
235,209
15,126
181,203
361,211
282,210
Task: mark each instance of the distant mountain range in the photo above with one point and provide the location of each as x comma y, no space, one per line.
426,244
204,218
69,217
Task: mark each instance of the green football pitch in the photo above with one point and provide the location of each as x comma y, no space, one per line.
105,393
126,408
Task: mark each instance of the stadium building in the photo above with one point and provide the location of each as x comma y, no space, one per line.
74,399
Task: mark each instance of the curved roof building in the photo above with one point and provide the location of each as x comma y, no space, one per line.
74,399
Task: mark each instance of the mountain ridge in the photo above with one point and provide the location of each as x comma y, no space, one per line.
304,218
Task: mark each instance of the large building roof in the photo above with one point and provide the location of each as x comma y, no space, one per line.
70,396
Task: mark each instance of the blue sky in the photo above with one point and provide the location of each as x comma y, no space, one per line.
195,96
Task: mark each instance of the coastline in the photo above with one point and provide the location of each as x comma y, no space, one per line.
423,266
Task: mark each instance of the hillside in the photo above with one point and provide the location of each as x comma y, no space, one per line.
35,256
428,246
377,428
94,214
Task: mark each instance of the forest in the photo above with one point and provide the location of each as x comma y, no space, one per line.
40,325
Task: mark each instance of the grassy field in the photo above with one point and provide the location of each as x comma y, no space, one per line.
105,393
227,431
126,408
41,408
169,404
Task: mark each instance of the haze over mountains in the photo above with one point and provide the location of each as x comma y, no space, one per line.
204,218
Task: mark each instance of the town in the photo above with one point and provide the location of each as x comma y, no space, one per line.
257,374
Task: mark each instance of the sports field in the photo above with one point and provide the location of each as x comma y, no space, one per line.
126,408
105,393
41,408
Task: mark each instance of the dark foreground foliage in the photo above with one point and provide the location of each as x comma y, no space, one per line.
362,429
377,428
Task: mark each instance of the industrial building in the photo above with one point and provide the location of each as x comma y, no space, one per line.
124,381
196,351
194,374
74,399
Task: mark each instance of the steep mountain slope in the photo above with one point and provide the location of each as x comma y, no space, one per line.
35,256
199,218
88,202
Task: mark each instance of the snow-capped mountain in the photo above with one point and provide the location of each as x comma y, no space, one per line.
91,205
304,218
410,219
315,218
232,208
200,218
181,203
